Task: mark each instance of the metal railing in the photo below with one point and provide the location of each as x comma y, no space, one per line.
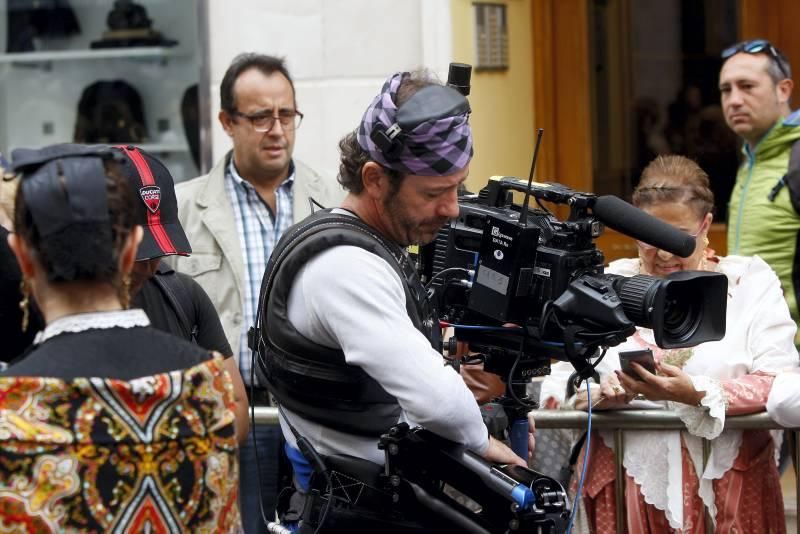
621,420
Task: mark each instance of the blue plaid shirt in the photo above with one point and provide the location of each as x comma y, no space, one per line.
259,230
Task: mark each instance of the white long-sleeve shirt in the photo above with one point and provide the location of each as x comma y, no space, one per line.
352,299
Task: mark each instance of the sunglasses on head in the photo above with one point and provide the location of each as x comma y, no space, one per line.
756,46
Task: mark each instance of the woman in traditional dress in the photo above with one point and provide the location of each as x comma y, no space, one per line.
75,239
108,423
666,486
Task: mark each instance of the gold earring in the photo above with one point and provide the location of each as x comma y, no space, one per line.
25,304
125,292
705,241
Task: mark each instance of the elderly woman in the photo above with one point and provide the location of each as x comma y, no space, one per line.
665,484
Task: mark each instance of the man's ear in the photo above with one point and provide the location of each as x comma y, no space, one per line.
23,254
374,179
226,121
784,90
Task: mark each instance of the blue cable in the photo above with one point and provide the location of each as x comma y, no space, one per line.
480,327
585,460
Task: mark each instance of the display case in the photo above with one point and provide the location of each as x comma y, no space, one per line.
145,55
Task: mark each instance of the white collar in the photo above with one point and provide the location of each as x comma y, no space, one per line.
81,322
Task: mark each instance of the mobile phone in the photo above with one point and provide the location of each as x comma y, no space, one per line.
642,357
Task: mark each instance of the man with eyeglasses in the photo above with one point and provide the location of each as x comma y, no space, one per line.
763,217
233,216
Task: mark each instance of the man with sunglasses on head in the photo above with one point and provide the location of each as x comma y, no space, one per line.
233,216
764,211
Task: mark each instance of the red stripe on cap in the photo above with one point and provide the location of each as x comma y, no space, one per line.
153,219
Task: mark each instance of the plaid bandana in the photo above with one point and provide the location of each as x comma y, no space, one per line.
433,148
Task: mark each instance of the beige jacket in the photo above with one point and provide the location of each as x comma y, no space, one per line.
217,262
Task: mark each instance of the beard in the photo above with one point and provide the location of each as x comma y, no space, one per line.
409,229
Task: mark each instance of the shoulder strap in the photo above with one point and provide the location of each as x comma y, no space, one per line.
794,157
791,179
178,297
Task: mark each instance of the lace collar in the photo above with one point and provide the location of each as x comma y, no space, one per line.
81,322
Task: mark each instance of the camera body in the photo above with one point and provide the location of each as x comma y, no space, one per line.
520,266
535,288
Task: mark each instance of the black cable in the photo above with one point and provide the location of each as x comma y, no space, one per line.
255,442
543,207
443,271
313,205
599,358
329,483
547,311
511,375
312,456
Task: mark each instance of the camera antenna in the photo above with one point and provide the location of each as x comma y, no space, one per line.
523,217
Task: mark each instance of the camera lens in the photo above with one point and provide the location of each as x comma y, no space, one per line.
677,308
682,314
668,307
637,294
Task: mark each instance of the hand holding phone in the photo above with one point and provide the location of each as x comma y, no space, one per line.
643,357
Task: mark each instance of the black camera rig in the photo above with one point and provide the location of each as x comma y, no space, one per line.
453,489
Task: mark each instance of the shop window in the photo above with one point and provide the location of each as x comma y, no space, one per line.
97,71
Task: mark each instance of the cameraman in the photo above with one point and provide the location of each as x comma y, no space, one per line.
357,301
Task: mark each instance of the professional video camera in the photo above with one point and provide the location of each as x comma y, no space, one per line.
500,263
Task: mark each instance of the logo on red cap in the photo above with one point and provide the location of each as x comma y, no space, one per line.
151,195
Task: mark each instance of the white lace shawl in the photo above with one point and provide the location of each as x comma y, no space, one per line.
759,337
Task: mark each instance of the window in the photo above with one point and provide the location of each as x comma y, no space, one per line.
491,36
655,67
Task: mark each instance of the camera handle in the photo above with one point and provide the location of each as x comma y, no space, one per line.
518,436
507,417
517,413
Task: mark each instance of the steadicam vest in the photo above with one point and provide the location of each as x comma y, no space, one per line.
312,380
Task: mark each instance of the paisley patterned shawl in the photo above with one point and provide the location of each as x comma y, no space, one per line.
154,454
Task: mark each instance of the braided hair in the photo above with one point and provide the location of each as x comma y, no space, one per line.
675,179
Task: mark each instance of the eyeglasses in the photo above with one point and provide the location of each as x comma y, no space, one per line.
757,46
264,121
648,247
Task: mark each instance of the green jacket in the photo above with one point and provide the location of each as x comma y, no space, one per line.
758,225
